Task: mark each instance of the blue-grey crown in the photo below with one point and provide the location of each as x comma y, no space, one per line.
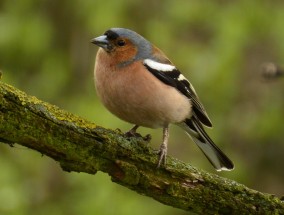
143,45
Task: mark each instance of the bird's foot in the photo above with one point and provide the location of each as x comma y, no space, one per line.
164,147
146,138
162,155
132,133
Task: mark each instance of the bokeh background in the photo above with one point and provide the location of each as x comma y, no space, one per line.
220,46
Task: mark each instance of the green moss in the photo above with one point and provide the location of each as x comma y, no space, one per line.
81,146
131,173
51,111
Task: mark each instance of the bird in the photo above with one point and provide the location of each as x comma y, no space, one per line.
138,83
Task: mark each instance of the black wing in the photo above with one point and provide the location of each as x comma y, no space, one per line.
175,79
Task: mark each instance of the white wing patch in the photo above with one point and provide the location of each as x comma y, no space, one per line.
181,78
159,66
193,90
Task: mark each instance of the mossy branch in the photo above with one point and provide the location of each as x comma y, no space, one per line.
81,146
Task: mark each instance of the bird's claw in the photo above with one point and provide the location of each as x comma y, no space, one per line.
162,156
147,138
131,133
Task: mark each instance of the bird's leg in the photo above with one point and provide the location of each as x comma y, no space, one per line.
132,133
164,147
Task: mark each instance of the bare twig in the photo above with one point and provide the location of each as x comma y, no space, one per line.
271,71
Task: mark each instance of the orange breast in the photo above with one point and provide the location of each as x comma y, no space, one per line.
136,96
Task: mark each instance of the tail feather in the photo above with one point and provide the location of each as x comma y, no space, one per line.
216,157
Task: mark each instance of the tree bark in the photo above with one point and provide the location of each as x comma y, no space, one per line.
81,146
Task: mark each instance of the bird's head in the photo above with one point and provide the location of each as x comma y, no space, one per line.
124,44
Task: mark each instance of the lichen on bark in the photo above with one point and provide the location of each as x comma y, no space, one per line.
82,146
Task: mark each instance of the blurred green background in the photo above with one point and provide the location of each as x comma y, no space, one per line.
45,50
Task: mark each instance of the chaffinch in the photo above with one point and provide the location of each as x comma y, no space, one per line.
139,84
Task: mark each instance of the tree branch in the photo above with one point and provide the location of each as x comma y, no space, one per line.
81,146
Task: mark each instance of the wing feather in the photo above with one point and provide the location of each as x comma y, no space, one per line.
170,75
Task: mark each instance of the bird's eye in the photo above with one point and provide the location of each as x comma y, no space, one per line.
120,42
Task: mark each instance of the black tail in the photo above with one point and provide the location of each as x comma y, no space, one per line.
216,157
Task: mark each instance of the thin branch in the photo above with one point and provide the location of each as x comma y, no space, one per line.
271,71
81,146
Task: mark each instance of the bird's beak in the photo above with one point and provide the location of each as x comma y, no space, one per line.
102,41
